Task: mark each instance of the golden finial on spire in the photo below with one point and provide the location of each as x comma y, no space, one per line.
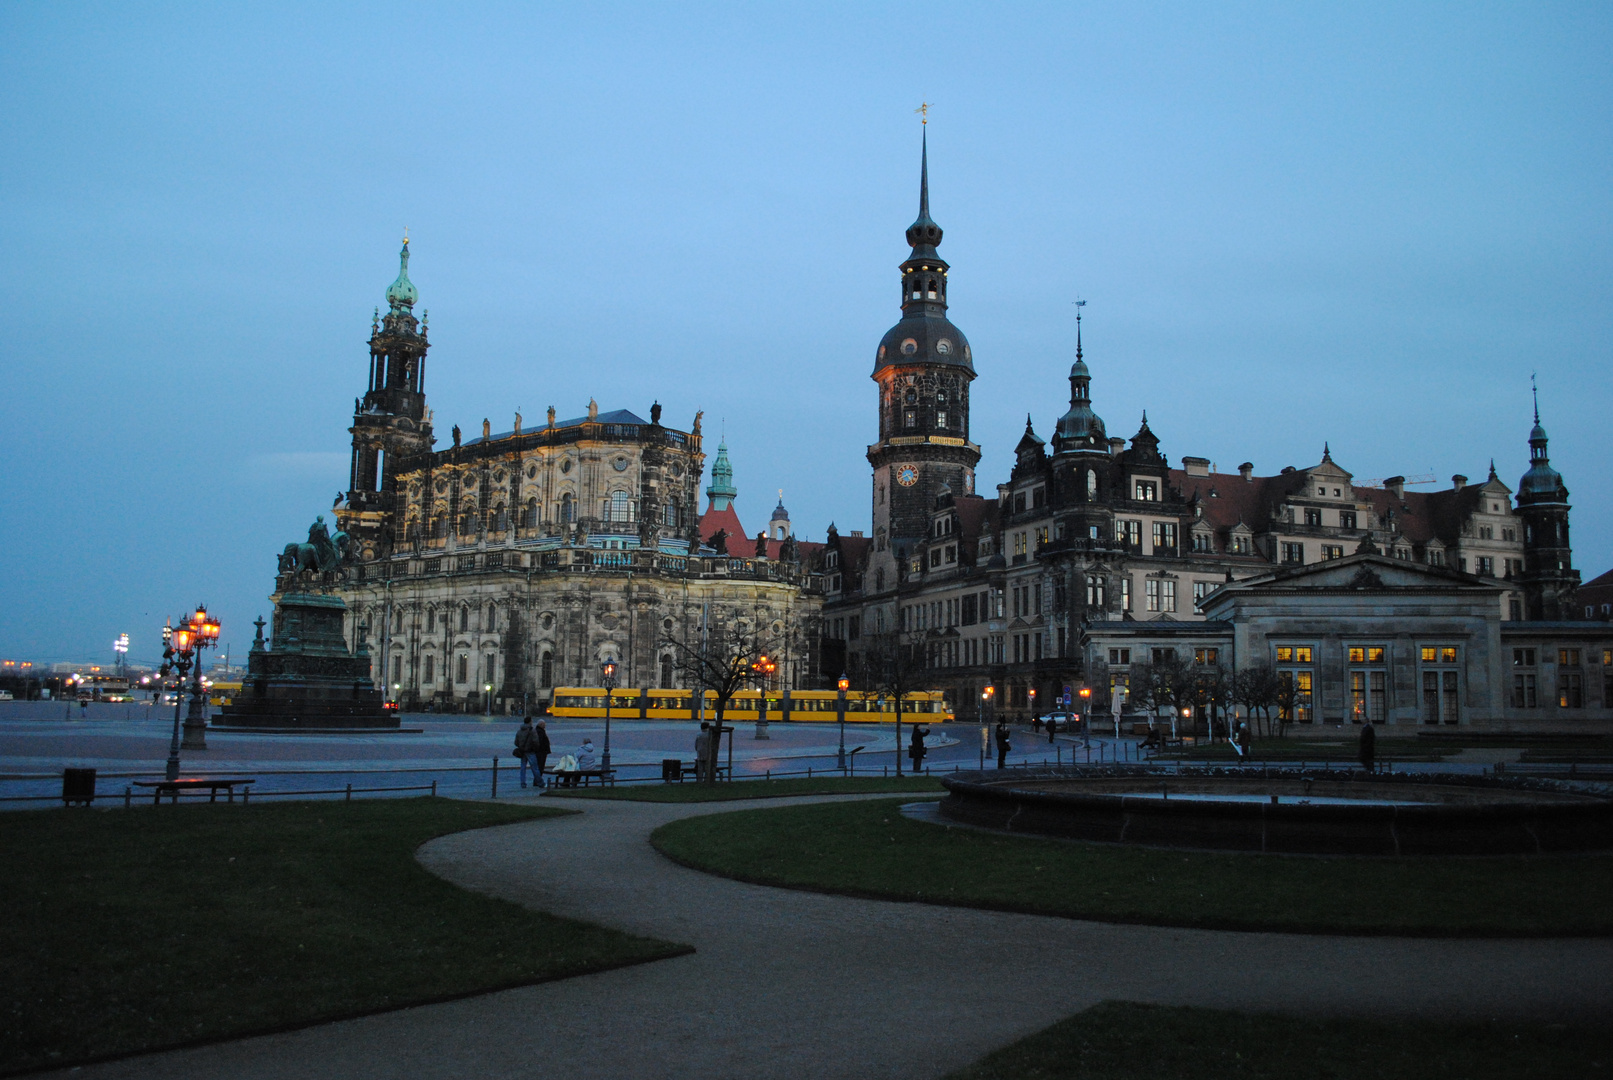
406,236
924,111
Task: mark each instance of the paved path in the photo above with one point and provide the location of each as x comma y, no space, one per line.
790,984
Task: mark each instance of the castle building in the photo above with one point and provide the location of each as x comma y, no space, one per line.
486,573
1097,558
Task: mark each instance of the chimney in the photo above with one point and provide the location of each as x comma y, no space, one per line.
1458,482
1396,486
1196,466
1116,446
1247,471
856,532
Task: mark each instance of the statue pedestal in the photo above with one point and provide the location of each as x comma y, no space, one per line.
308,678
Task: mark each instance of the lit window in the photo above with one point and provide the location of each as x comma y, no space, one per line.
1147,491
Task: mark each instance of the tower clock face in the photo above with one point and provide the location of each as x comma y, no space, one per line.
907,475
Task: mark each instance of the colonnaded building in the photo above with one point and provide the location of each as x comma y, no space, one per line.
484,574
1371,601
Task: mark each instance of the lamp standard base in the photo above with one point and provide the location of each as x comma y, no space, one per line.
195,735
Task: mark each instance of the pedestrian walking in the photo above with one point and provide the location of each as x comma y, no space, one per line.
1369,746
523,746
1003,744
916,749
1243,739
1052,729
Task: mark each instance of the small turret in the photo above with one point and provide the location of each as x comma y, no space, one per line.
722,491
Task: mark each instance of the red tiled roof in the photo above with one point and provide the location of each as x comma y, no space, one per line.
724,520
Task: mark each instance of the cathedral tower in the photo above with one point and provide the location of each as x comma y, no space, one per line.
923,369
390,423
1549,578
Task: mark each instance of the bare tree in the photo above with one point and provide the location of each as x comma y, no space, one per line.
1256,688
894,665
725,663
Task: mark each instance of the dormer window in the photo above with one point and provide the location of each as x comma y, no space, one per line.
1147,491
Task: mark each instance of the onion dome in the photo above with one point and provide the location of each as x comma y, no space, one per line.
779,513
1080,428
1541,483
925,335
402,293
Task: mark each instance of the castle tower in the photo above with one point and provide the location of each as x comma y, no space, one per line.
1549,578
923,369
390,423
778,526
722,490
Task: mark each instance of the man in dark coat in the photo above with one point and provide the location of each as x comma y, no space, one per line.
1369,746
1003,745
916,749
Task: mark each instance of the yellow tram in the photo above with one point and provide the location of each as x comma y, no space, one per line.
785,706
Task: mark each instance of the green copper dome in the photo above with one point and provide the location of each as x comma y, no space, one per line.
402,293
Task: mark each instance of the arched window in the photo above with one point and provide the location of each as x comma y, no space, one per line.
439,526
932,289
492,619
568,511
464,669
912,397
464,622
621,508
502,522
666,672
669,515
532,513
546,670
397,621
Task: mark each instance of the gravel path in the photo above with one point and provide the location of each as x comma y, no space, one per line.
791,984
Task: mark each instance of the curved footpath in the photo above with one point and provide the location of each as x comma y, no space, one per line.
792,984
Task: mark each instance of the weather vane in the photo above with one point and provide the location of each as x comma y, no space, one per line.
924,111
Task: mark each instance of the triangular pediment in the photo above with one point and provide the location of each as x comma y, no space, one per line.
1364,571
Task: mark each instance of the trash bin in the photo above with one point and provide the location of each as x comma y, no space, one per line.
78,786
671,769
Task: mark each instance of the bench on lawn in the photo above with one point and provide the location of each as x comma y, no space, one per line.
676,771
172,788
582,777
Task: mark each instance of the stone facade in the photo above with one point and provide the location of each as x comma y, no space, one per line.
1097,554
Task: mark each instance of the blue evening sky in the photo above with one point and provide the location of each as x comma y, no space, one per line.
1366,224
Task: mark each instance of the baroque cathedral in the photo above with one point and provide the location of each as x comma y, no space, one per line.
486,573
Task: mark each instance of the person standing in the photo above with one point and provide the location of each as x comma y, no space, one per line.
1003,745
538,751
916,749
1369,747
523,747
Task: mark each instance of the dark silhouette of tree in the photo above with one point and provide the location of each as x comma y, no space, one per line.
1256,688
725,666
894,665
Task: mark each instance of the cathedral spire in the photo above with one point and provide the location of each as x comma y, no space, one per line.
924,234
401,293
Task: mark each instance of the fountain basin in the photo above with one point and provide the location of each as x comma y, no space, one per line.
1314,812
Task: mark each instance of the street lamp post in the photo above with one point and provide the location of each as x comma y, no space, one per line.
763,666
986,697
1032,696
176,657
843,685
1086,715
204,634
609,680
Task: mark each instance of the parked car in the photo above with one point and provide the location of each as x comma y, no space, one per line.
1061,721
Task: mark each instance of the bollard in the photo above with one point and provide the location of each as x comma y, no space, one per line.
495,778
434,789
809,772
349,792
128,795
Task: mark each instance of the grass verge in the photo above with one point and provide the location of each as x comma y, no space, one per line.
690,792
870,849
130,931
1126,1041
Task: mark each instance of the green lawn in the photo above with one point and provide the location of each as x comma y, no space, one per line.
690,792
870,849
1125,1041
131,930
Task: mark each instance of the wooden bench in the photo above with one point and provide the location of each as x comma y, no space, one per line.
684,770
172,788
582,777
